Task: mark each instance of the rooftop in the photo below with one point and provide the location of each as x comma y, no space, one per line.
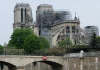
44,6
90,27
22,5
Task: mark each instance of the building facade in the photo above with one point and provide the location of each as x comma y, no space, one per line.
58,25
68,29
22,16
44,20
89,30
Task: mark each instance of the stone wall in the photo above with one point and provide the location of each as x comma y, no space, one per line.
70,63
38,66
85,63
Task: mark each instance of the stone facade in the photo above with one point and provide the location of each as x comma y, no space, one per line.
44,19
68,29
87,63
22,16
57,25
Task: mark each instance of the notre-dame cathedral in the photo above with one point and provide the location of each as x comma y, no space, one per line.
53,25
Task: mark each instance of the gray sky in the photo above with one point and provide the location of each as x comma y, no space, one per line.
87,10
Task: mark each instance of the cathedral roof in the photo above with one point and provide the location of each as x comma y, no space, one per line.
22,5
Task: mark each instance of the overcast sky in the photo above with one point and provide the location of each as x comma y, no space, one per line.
87,10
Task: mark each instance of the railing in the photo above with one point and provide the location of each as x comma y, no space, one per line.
91,54
33,54
43,52
9,51
73,55
85,54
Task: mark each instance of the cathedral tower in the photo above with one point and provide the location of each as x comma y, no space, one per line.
23,16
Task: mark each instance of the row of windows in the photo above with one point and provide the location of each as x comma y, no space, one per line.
68,27
74,29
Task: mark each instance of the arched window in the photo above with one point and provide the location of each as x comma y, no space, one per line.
73,29
67,29
21,14
25,14
58,37
77,30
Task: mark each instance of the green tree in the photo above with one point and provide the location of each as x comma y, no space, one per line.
98,41
93,42
79,46
62,43
31,43
65,43
1,49
18,37
44,43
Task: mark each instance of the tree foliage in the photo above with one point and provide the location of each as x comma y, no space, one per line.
79,46
18,37
44,43
98,41
65,43
93,42
25,39
55,50
62,43
31,43
13,51
1,49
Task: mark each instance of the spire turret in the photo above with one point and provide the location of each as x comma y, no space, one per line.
78,18
75,17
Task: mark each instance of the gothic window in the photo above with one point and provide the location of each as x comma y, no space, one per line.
21,14
67,29
73,29
58,38
25,14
